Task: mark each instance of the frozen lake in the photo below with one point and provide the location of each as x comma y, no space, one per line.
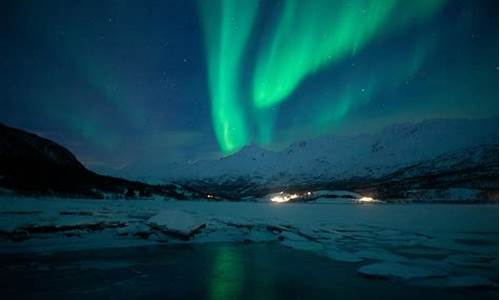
226,250
215,271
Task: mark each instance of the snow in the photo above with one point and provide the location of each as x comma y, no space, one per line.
342,157
450,194
390,241
176,222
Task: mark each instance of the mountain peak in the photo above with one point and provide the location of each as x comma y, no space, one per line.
348,157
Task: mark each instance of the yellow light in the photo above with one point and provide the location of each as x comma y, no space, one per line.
279,199
366,199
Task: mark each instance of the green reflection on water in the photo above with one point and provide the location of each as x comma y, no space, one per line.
226,280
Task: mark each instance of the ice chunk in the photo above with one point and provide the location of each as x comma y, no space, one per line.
296,241
341,255
303,245
379,254
399,271
136,229
176,222
261,236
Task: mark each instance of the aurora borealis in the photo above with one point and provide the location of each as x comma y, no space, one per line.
313,34
307,36
228,24
125,84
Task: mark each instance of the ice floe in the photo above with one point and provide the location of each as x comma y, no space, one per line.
177,223
393,241
399,271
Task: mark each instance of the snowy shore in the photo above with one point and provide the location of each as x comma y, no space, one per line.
452,245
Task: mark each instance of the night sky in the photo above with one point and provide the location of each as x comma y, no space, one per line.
127,83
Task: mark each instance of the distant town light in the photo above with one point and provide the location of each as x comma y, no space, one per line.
366,199
279,199
282,197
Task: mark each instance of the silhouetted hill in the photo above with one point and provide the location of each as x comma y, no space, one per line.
32,165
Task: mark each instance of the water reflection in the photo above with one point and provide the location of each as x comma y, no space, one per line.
216,271
226,280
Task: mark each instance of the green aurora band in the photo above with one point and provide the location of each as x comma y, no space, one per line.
312,34
307,37
227,25
329,112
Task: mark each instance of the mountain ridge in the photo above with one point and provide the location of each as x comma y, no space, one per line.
342,161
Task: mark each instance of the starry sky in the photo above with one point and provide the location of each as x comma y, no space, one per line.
125,84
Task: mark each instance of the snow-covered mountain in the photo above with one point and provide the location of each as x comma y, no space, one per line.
334,159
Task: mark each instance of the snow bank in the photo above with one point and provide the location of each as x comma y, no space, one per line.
177,222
